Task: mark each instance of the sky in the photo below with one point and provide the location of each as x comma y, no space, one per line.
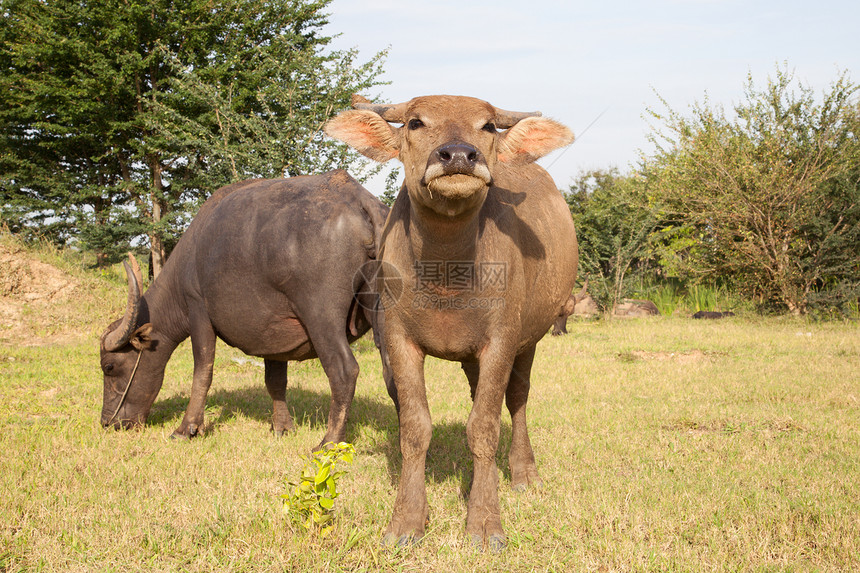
597,66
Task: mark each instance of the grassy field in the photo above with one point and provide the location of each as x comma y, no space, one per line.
665,445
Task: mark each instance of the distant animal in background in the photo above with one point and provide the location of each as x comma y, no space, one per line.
580,304
709,314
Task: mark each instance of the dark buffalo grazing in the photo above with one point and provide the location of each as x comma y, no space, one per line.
270,267
569,307
630,308
709,314
477,256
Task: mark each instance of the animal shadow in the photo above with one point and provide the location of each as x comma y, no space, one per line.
448,456
307,407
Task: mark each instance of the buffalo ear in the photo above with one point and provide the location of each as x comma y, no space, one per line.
366,132
532,138
142,339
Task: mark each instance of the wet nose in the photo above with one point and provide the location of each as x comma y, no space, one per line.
457,157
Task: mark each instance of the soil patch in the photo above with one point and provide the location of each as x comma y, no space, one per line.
28,287
679,357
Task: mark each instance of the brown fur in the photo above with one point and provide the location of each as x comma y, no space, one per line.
517,225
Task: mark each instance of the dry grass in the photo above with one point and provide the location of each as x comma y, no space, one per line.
664,444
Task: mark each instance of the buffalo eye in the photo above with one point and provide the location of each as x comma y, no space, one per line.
415,124
489,127
107,368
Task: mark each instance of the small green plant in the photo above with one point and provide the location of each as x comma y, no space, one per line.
666,295
310,502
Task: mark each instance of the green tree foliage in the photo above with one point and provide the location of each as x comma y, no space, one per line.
614,221
391,188
769,197
119,117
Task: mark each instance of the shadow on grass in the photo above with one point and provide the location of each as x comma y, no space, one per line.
448,456
308,408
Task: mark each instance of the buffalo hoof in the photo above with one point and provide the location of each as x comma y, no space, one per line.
393,540
326,445
185,433
495,542
525,485
281,432
282,423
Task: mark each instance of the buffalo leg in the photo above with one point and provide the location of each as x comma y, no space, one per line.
203,349
390,386
377,319
483,521
411,511
341,368
521,457
392,391
276,384
471,369
388,376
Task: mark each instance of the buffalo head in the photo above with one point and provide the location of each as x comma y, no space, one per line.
449,145
130,382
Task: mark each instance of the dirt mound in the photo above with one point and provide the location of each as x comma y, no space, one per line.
24,278
28,287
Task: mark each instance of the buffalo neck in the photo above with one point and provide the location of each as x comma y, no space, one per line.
161,306
438,237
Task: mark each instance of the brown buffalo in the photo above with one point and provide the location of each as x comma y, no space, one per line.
271,266
477,256
571,306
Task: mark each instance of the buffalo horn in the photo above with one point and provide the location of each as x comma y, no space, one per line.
388,112
581,295
395,113
119,336
507,119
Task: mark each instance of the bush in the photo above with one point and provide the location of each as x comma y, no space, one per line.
310,503
767,199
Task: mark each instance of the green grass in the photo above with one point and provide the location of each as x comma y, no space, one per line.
673,299
665,445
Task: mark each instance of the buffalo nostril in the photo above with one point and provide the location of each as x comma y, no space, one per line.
457,154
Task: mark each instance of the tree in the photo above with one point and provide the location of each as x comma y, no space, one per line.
122,116
770,197
614,221
391,188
